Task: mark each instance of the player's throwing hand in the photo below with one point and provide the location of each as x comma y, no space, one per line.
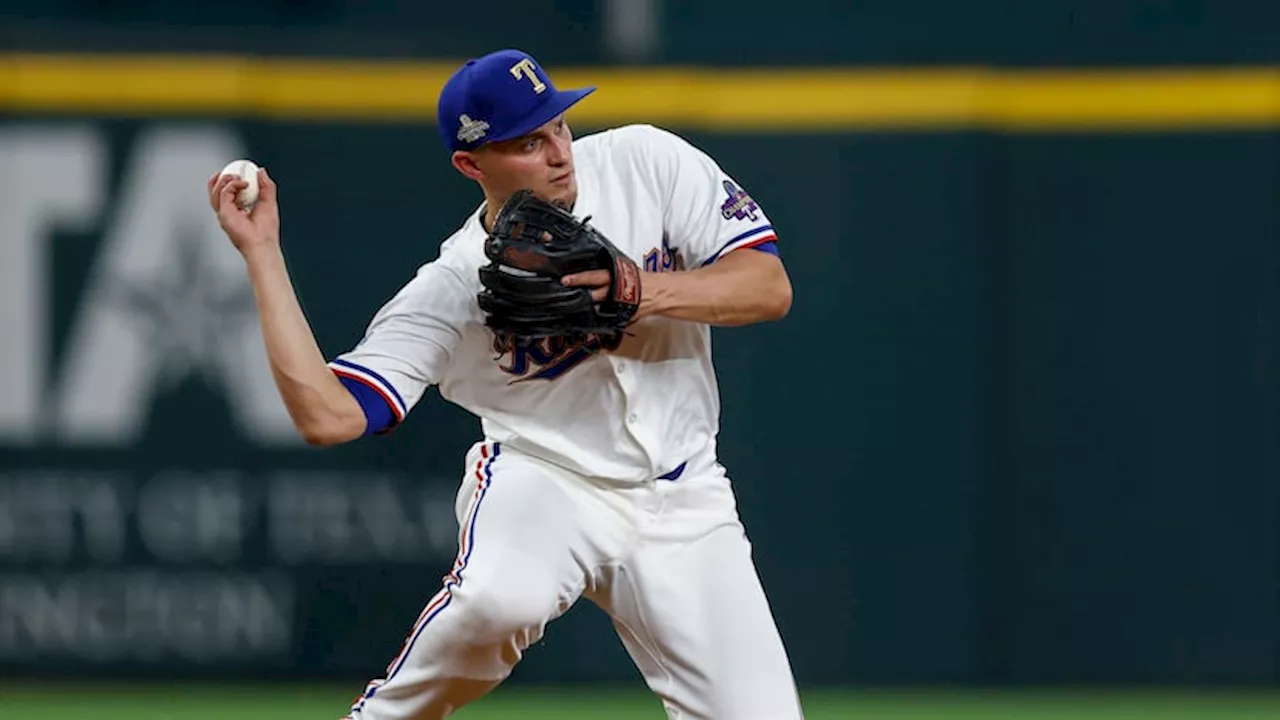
247,229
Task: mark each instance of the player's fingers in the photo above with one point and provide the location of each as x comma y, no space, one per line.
266,187
227,193
224,182
599,294
220,186
231,188
215,189
590,278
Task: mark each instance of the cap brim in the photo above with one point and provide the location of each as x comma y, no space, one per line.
545,113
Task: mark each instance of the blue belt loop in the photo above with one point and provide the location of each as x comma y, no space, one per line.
675,474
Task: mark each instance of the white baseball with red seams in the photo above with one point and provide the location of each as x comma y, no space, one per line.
246,170
597,474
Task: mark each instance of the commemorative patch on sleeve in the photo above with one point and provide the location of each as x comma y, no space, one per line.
739,205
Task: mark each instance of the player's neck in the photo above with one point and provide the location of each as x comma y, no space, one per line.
489,211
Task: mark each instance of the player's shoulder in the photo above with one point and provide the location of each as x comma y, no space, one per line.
633,156
629,141
459,255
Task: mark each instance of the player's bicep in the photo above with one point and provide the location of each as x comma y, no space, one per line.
405,350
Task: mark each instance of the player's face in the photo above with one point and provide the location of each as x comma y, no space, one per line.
541,161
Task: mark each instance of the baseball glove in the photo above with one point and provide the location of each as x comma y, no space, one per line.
532,245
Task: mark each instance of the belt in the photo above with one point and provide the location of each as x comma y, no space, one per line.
675,474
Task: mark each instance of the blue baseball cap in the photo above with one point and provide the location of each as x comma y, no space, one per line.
497,97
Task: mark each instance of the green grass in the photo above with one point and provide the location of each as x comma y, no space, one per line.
326,702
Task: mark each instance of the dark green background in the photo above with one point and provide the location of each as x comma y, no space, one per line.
1022,425
757,32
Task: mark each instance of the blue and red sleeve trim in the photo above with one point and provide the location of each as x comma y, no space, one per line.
762,238
382,405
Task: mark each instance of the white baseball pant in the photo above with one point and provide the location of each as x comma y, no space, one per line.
668,560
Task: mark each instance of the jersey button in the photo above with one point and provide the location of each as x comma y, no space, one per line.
632,418
622,367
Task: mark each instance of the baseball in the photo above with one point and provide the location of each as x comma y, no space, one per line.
246,170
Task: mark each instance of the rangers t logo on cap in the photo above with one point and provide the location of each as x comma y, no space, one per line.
509,90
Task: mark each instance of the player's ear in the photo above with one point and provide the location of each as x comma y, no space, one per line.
465,163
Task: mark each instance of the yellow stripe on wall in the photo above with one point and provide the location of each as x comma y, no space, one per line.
795,100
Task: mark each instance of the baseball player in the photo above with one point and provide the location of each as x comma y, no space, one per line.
597,472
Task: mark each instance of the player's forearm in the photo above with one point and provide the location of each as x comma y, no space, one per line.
741,288
321,408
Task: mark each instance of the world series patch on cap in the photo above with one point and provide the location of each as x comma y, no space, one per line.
497,97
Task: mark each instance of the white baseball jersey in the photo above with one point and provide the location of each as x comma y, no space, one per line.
626,415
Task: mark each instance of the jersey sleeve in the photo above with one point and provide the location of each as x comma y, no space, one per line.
707,214
405,349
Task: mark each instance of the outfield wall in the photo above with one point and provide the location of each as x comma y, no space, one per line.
1022,424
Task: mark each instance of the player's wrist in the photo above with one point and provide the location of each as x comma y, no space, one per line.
655,294
263,259
267,250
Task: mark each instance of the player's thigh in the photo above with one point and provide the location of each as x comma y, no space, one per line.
696,619
521,542
517,568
